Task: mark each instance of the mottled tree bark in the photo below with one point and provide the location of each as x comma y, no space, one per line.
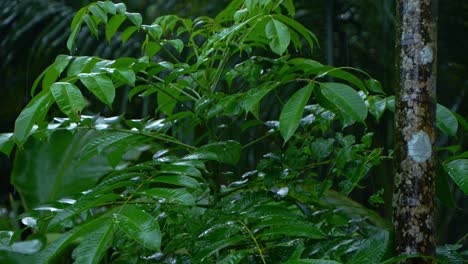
413,199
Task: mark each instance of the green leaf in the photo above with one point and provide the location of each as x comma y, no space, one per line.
91,24
140,226
128,32
311,261
167,100
155,31
374,86
81,65
95,244
152,48
98,12
58,158
79,206
458,170
100,85
225,152
53,72
172,195
75,27
68,98
305,230
443,191
446,121
108,6
292,112
214,247
6,143
121,8
303,31
181,169
125,75
346,100
113,25
278,34
179,180
339,73
253,97
234,257
135,18
372,250
177,44
12,257
55,248
34,112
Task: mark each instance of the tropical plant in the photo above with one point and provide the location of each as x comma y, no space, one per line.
183,184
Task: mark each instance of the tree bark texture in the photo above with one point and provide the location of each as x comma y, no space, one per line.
413,198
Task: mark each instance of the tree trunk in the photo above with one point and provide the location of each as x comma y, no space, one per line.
413,199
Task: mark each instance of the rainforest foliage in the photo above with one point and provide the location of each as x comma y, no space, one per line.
184,183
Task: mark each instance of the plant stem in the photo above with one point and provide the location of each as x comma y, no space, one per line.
254,240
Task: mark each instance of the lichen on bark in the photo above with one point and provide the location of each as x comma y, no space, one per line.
415,130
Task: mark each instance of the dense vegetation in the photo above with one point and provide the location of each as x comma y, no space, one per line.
249,155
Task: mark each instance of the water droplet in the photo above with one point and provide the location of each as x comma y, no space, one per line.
282,192
248,174
47,208
156,256
101,126
29,221
67,201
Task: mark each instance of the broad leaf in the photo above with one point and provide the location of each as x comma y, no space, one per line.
95,244
446,121
179,180
278,34
6,143
107,6
372,250
311,261
92,25
140,226
177,44
75,27
100,85
225,152
113,25
346,100
98,12
374,86
234,257
305,230
458,170
55,248
53,72
79,206
69,99
293,110
303,31
81,65
214,247
125,75
252,98
155,31
34,112
172,195
49,170
135,18
128,32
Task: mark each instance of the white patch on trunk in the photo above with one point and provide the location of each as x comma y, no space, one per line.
419,147
425,55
